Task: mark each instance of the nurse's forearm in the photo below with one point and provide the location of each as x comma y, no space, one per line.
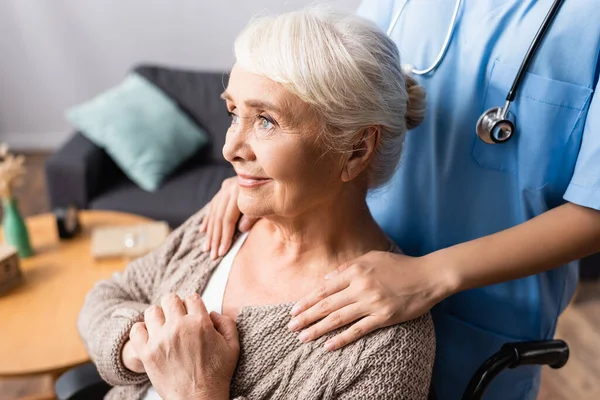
564,234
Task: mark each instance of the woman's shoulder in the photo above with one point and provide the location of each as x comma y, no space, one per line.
272,357
191,226
188,235
183,250
404,351
411,337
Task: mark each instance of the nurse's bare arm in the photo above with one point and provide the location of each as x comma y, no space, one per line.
566,233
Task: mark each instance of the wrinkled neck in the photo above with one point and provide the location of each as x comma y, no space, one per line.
330,233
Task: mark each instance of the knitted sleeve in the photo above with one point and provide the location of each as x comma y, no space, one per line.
398,366
114,305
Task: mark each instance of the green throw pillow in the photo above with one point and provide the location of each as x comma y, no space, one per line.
141,128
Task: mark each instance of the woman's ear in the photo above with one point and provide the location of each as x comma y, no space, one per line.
363,151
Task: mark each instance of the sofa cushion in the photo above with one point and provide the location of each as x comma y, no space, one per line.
180,196
141,128
197,94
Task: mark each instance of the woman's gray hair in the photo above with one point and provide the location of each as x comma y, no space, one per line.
347,69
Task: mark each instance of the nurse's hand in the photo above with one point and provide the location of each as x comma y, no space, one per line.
222,213
187,353
376,290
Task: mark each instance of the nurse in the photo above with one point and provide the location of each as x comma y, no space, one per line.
491,232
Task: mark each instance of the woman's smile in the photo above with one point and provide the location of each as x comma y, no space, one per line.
251,181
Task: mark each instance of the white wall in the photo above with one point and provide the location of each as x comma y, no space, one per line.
58,53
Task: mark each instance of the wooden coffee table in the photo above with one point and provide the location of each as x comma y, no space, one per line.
38,332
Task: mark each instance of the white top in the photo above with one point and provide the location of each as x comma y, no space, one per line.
214,292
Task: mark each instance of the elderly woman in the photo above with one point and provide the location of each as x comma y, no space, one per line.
319,108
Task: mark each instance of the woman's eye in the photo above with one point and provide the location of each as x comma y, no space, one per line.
234,118
265,123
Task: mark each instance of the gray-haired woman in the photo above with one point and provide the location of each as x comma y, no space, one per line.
319,109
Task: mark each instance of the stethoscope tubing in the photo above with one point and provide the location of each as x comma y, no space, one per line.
447,39
533,48
496,114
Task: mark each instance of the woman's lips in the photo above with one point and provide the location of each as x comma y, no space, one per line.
249,181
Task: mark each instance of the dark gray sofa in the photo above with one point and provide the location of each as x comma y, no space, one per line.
82,174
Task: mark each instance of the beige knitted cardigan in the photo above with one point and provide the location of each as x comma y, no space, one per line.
390,363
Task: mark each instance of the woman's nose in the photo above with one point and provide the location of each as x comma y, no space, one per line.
237,144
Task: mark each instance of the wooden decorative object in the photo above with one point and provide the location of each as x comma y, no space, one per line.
10,271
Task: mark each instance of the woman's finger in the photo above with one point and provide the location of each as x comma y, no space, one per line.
195,305
232,214
154,319
138,338
338,283
353,333
333,321
138,335
226,327
322,309
172,307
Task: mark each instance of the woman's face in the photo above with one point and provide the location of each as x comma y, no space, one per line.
283,168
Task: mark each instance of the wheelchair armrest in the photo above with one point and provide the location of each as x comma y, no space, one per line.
83,382
553,353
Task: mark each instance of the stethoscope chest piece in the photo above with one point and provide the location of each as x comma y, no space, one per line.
496,125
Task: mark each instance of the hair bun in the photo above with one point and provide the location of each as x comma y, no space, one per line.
415,103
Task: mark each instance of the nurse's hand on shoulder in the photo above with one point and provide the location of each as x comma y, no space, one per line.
187,352
376,290
222,214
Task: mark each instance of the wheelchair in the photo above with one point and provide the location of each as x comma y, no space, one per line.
84,382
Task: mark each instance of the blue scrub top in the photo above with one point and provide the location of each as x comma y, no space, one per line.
451,187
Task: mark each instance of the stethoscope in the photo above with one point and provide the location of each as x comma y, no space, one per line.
496,125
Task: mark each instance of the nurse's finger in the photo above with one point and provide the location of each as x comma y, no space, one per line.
356,331
320,310
339,269
154,319
333,321
246,223
209,226
217,228
230,219
172,306
329,287
204,223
